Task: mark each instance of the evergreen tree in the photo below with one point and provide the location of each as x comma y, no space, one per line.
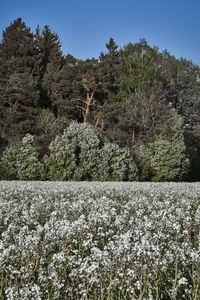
18,89
87,91
66,85
109,69
49,56
19,106
17,49
109,75
48,62
17,43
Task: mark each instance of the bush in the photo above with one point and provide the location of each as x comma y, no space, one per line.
21,161
73,154
116,164
49,126
164,157
81,153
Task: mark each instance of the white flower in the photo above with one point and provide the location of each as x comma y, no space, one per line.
182,281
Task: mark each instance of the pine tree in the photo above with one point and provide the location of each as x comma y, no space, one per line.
87,89
20,106
109,75
109,68
18,89
66,85
17,47
48,62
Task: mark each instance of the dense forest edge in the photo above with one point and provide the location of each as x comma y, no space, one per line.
132,114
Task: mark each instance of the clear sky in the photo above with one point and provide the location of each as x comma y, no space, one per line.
85,26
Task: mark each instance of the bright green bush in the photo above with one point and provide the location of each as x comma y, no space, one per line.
116,164
21,161
74,154
164,157
81,153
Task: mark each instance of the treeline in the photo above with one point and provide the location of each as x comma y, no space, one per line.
141,106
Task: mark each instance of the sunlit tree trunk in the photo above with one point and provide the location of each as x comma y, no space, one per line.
89,102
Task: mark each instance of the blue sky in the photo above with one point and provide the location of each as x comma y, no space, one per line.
84,26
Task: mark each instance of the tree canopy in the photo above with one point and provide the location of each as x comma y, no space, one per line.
127,93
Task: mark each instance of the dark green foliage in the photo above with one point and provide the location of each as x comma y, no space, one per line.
193,149
109,70
19,105
109,77
48,62
17,46
47,128
67,90
49,56
181,86
18,90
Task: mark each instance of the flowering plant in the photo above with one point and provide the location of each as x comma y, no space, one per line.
81,240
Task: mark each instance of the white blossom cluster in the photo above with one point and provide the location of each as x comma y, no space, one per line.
99,240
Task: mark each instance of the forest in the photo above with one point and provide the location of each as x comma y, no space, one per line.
133,114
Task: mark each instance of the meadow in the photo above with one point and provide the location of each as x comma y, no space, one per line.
99,240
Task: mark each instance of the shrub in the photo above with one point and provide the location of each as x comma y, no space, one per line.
164,156
81,153
116,164
49,126
21,161
74,153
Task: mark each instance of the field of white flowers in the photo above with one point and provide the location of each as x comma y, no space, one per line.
97,240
